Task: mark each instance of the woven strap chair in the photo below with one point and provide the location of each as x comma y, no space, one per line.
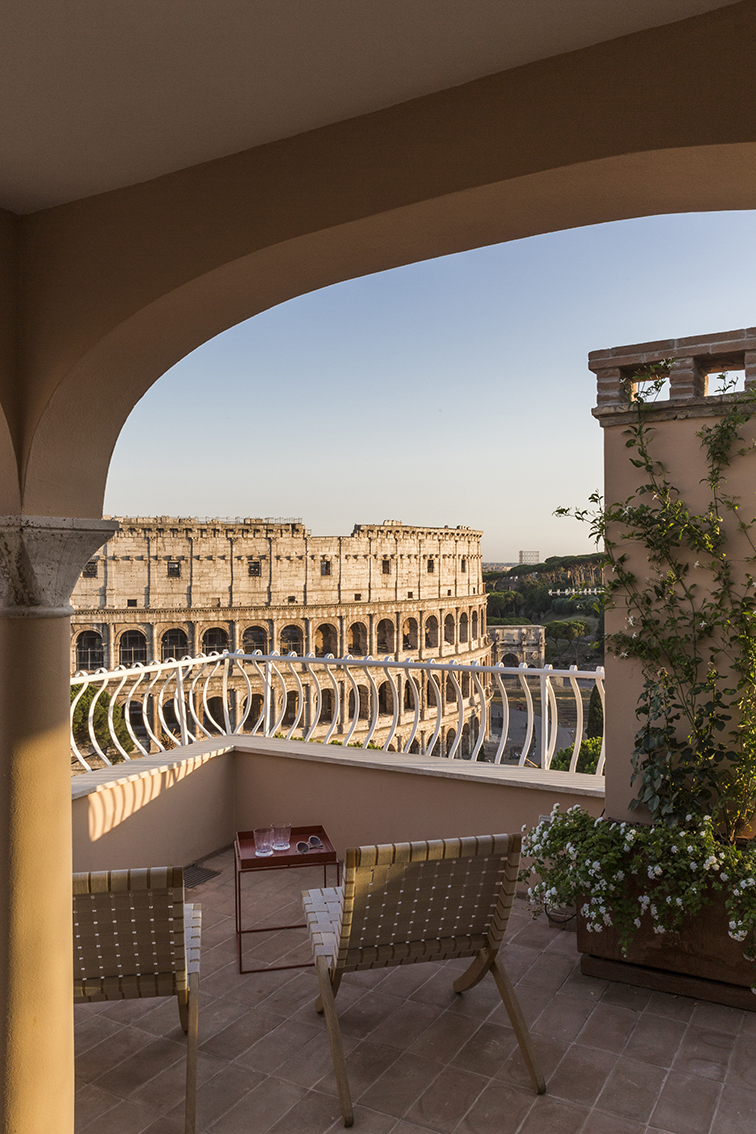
407,902
134,936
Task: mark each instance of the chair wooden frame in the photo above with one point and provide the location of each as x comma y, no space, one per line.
135,936
403,903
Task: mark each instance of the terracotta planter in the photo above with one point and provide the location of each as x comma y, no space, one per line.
700,960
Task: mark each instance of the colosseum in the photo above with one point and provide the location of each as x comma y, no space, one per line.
164,587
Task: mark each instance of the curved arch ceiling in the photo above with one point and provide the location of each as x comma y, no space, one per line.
96,96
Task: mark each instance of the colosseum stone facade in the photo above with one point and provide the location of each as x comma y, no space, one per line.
165,587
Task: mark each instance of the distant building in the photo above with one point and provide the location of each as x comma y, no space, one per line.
530,558
170,586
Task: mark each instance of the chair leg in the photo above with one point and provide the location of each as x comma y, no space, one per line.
478,969
514,1011
191,1055
334,1036
335,982
183,1007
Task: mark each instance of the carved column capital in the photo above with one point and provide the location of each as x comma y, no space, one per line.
41,557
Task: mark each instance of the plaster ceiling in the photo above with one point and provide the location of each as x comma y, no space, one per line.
96,94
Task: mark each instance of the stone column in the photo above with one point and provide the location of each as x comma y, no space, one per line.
40,561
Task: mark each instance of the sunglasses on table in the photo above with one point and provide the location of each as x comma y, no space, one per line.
313,843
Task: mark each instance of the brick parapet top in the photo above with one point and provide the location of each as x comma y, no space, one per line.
727,346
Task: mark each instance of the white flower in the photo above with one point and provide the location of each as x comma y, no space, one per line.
724,876
637,922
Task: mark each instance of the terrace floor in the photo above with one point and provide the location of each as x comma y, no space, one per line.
618,1060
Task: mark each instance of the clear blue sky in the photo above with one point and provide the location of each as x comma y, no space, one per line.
453,391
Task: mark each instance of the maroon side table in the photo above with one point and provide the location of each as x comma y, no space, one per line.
246,860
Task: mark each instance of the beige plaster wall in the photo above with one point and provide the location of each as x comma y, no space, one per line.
676,445
177,811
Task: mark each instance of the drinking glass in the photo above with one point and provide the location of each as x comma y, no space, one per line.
282,837
263,841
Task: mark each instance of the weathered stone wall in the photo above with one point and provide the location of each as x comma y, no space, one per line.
265,579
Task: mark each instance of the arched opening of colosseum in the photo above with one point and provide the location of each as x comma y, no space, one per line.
415,747
464,744
174,644
463,625
465,683
215,640
449,629
326,640
326,706
451,691
357,640
409,696
132,648
385,636
255,711
255,638
431,633
385,699
214,717
292,701
291,641
90,650
364,695
475,626
450,738
409,634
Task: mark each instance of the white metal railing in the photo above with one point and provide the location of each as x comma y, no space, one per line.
418,707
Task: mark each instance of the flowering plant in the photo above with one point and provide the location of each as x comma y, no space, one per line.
619,872
690,620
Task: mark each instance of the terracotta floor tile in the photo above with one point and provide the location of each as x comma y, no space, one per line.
223,1091
736,1113
89,1032
551,970
500,1109
218,1014
298,991
518,959
401,1085
599,1122
563,1017
168,1088
582,1074
742,1068
532,1000
167,1124
260,1108
368,1121
655,1040
104,1057
717,1018
241,1033
447,1100
365,1063
686,1104
565,942
675,1007
486,1050
632,1089
401,1127
443,1037
536,934
609,1027
627,996
368,1013
588,987
704,1052
478,1002
314,1113
308,1064
127,1117
285,1042
91,1103
553,1116
406,979
550,1053
409,1022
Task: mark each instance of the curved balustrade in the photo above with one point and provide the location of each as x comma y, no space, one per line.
426,708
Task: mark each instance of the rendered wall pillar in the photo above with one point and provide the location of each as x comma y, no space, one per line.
40,560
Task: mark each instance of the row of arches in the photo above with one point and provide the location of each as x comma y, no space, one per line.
132,646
